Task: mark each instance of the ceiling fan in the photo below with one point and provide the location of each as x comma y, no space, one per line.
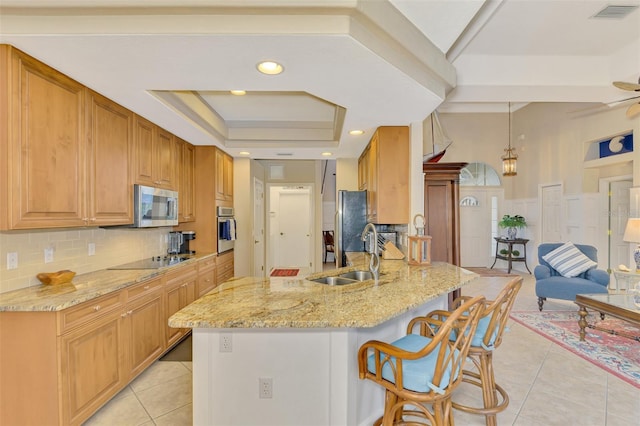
633,87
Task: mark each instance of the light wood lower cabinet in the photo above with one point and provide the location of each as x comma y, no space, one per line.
92,367
206,276
144,328
180,290
224,265
71,362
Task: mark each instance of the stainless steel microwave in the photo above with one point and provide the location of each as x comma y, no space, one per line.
154,207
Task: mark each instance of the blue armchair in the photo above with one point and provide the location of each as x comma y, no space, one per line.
549,282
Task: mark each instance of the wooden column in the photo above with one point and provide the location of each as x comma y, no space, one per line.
442,212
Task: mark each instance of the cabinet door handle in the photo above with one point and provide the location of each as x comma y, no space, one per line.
124,314
129,312
146,287
96,308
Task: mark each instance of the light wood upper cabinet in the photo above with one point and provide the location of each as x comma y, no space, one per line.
186,182
109,183
69,156
144,137
167,160
155,155
43,137
383,170
224,176
363,169
68,150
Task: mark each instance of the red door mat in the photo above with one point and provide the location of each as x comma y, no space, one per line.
284,272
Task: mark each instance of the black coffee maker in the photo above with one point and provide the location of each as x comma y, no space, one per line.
187,236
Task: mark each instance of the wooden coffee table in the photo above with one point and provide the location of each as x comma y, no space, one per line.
617,305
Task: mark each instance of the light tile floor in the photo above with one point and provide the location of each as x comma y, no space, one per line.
547,385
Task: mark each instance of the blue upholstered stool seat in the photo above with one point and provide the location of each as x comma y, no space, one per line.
417,375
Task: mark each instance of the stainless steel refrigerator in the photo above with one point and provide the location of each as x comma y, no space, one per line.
351,218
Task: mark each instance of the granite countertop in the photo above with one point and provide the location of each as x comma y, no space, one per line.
295,302
83,287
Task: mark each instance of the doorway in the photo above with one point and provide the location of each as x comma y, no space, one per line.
258,228
478,225
616,196
291,219
550,213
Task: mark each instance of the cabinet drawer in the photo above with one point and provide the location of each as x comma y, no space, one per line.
181,273
225,268
143,288
206,281
206,263
88,311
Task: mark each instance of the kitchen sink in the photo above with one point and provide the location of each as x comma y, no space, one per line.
334,281
357,275
346,278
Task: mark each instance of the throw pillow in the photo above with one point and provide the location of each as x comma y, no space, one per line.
569,261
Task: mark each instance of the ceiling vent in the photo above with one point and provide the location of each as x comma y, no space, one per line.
615,12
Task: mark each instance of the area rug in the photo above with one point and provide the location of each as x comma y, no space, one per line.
488,272
284,272
619,355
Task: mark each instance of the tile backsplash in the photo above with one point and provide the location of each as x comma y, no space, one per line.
113,246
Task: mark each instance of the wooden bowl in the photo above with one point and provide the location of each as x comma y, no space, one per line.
54,278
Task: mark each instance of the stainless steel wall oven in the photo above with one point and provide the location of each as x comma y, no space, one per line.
226,228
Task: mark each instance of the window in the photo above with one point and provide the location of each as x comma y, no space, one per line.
479,174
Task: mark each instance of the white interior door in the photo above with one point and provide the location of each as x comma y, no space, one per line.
258,228
618,215
551,213
291,219
475,227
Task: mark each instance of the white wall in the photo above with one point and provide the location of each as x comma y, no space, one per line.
299,172
551,141
113,246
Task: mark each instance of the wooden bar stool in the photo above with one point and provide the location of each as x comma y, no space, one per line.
487,338
419,371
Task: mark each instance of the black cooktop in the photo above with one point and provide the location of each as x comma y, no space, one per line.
153,263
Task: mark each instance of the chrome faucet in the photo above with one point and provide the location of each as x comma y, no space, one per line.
374,261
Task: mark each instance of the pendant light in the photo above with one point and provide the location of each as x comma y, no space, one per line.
509,166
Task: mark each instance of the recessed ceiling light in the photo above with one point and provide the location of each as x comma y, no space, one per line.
270,67
244,153
238,92
327,154
356,132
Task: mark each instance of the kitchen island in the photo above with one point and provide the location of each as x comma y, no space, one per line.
301,338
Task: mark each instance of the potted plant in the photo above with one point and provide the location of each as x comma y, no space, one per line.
512,224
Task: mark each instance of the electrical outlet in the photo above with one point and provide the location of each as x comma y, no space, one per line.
265,387
12,260
225,342
92,249
48,255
